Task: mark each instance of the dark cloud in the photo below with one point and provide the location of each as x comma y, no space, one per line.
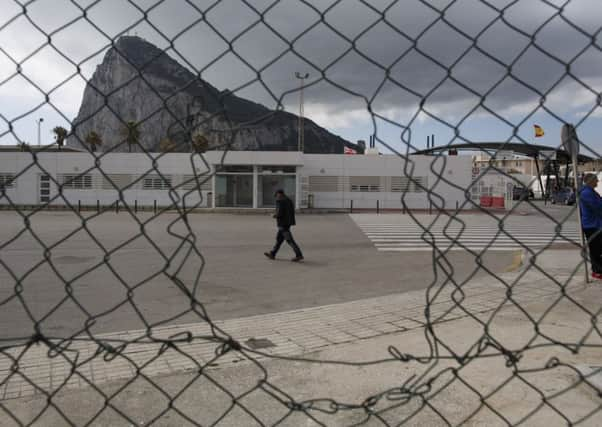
395,55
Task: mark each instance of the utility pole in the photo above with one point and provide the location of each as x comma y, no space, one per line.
39,122
571,143
301,140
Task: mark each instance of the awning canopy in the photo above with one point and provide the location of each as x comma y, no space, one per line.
529,150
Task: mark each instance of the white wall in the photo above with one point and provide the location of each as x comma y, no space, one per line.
437,170
27,190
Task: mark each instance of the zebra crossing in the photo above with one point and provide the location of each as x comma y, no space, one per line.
404,235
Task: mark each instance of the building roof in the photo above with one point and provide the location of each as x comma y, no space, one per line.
530,150
43,148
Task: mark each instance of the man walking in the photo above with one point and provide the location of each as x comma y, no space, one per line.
590,203
285,219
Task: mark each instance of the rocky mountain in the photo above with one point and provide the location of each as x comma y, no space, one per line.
139,83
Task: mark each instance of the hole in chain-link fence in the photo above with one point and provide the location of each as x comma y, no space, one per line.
162,111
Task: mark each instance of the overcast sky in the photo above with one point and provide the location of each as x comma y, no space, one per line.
398,57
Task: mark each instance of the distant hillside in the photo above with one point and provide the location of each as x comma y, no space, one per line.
138,82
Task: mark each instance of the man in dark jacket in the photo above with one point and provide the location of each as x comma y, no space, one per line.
285,219
590,203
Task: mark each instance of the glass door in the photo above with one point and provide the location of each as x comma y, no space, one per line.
234,191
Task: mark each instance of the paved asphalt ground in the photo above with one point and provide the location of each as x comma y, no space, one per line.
134,386
136,287
237,280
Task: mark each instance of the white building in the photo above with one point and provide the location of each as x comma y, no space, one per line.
239,179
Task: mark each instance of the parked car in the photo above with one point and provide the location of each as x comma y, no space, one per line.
521,193
572,198
564,196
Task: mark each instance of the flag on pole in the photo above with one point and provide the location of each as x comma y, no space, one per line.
538,131
347,150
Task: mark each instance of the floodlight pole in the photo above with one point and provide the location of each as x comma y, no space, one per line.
39,122
301,131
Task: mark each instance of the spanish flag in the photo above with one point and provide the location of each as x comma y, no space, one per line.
538,131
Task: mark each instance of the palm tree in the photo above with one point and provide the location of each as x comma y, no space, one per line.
60,133
131,133
93,140
166,145
200,143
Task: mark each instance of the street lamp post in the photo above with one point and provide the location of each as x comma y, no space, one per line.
301,137
39,122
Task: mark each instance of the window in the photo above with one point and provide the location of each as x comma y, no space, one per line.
365,188
7,180
234,168
44,188
76,182
234,190
405,184
156,183
277,169
419,184
400,184
324,184
365,184
268,184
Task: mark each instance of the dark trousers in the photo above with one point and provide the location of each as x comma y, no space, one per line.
594,242
284,233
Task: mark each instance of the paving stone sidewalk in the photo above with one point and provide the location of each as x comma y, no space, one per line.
85,362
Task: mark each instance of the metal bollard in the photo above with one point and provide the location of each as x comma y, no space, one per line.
98,206
377,206
117,206
79,205
136,206
155,206
457,205
351,207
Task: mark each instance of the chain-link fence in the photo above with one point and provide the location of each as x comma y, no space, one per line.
470,70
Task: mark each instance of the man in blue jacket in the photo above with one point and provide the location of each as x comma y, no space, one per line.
285,219
590,203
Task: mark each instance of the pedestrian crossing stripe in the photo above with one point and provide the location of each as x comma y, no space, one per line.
477,239
453,248
489,229
411,237
466,233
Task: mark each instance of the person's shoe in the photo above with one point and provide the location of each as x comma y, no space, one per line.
269,255
597,276
297,259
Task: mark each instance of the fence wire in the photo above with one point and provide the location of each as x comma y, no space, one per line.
442,368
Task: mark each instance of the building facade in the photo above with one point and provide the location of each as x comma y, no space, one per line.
234,179
510,163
